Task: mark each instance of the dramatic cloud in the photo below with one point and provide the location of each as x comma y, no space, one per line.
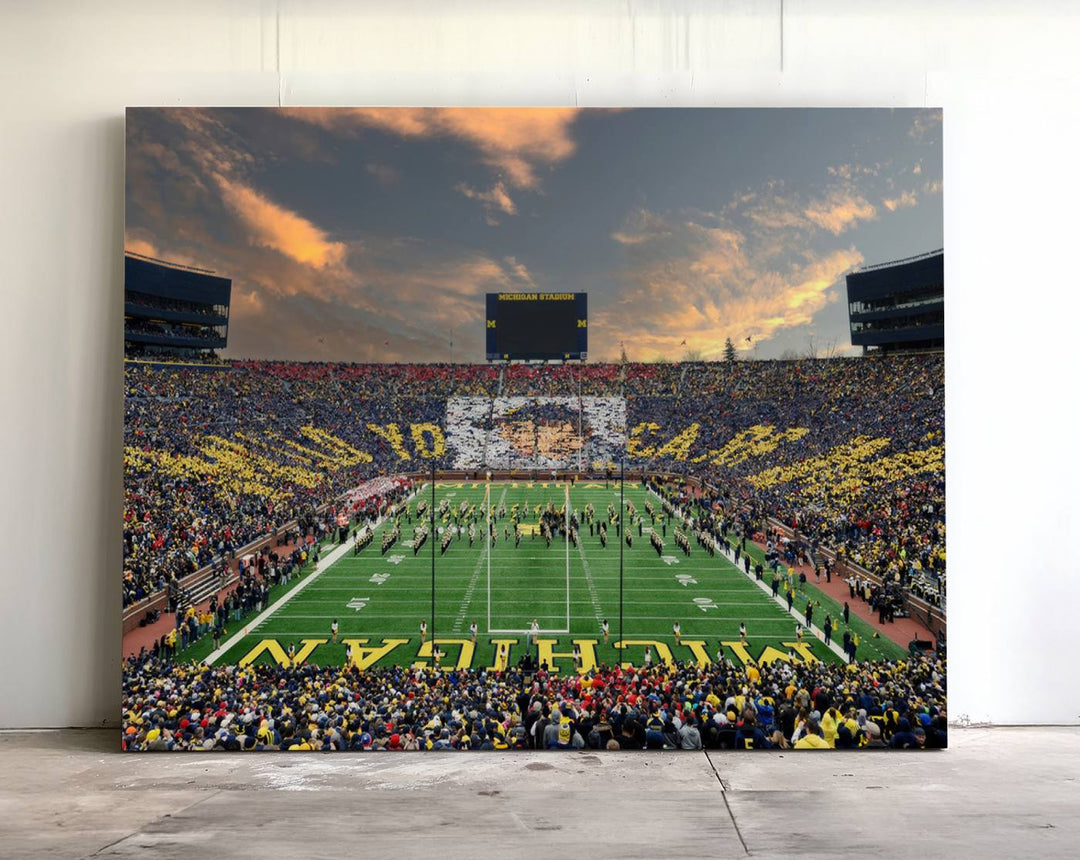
495,200
839,211
273,226
702,277
326,265
836,208
515,142
904,201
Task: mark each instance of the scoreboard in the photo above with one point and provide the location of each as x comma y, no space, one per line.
537,326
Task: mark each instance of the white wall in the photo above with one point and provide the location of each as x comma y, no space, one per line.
1005,78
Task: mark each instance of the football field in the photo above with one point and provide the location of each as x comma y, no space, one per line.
379,600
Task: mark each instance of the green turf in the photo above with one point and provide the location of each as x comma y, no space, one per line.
707,595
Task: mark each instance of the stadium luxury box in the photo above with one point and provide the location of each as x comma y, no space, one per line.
555,429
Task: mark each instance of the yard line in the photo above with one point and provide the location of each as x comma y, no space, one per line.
324,565
794,611
575,632
467,599
593,596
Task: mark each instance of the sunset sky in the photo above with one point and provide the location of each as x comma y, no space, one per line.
373,234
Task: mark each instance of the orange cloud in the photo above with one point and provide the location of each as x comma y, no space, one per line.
925,124
139,246
274,226
904,201
701,283
515,142
840,210
641,226
496,198
519,271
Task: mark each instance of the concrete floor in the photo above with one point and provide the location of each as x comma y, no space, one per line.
1003,792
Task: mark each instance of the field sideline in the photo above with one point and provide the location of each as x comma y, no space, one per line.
380,600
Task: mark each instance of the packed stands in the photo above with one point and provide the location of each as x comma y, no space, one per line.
172,707
848,452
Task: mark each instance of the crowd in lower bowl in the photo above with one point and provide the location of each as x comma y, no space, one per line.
782,705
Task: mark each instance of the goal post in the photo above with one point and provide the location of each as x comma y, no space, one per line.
493,613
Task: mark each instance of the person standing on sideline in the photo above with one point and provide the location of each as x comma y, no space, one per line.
334,631
348,654
677,630
809,613
606,630
472,631
826,628
847,613
742,632
648,656
534,633
423,631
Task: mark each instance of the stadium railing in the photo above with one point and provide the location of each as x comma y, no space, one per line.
926,612
134,613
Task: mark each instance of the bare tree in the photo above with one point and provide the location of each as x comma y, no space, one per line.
816,349
693,355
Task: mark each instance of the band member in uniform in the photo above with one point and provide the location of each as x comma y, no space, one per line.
348,654
292,653
577,657
678,632
472,631
534,632
742,632
648,656
333,631
605,629
423,631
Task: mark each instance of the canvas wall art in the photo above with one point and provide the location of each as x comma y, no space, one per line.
479,430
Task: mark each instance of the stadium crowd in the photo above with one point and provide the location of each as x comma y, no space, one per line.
847,451
781,705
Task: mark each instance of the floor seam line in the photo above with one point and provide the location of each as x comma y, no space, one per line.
160,818
727,805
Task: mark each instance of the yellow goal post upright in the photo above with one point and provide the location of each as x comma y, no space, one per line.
525,631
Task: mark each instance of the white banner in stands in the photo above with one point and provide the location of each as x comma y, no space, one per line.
535,432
